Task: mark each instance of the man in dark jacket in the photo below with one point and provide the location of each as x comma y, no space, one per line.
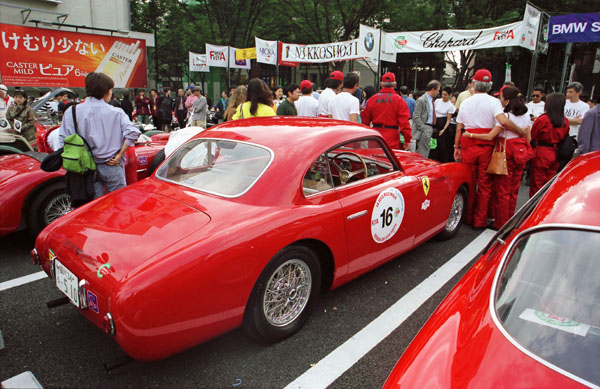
180,109
126,105
164,110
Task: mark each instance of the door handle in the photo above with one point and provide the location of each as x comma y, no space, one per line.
357,215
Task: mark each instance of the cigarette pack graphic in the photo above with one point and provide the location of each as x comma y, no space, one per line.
119,62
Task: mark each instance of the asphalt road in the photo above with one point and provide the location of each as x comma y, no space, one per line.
62,349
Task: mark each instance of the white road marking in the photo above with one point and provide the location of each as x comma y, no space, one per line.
22,280
330,368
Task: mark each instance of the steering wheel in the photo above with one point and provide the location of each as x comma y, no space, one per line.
345,175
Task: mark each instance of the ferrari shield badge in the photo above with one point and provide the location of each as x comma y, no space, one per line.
387,215
425,182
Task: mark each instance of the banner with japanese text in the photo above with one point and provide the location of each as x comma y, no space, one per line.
38,57
197,62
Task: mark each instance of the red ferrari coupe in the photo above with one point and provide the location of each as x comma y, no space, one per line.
527,314
32,198
245,224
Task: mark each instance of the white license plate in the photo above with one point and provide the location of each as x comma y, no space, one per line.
67,282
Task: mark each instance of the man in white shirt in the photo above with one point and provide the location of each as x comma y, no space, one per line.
332,87
575,108
345,106
307,104
536,106
478,114
5,101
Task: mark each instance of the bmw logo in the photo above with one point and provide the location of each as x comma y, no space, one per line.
3,123
369,41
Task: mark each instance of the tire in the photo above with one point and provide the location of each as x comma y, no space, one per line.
456,216
261,320
157,160
48,205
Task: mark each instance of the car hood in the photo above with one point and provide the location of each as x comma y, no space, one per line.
125,229
13,164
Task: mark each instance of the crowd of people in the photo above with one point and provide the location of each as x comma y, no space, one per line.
461,127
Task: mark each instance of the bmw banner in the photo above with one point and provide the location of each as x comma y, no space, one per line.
574,28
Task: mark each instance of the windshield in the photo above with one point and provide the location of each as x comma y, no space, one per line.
547,298
221,167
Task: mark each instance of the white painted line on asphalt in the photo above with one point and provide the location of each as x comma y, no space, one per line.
328,369
23,380
22,280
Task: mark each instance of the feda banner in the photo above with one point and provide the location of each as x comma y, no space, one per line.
319,53
235,63
217,56
449,40
574,28
198,62
45,58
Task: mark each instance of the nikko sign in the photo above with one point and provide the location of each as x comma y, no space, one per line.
319,53
574,28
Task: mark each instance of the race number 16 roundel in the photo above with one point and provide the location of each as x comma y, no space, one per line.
387,215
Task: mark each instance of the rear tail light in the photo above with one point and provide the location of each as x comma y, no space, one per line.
109,324
83,303
35,258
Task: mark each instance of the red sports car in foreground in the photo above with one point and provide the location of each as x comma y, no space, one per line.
32,198
527,314
245,224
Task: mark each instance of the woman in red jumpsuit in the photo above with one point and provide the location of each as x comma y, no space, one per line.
518,152
547,131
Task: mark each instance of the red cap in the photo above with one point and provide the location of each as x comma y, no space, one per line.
305,84
337,75
388,77
482,75
497,94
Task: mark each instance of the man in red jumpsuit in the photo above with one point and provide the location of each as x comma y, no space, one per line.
478,114
388,113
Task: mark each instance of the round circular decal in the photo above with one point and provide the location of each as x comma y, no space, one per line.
369,41
387,215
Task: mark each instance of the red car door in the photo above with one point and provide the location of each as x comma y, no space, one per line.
382,212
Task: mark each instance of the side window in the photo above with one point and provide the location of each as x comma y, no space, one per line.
318,177
358,160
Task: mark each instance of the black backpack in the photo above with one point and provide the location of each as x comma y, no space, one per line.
565,148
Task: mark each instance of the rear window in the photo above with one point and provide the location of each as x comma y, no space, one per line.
222,167
548,298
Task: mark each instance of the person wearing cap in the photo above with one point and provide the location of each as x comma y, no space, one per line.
307,104
199,109
424,118
333,85
388,113
5,101
344,105
478,115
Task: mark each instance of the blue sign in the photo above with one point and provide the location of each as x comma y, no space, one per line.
574,28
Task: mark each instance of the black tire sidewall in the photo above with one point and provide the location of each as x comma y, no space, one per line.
255,322
35,214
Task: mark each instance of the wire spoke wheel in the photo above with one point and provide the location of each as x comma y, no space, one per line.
287,292
456,212
57,207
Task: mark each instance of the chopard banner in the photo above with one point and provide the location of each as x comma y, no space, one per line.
198,62
319,53
530,27
449,40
